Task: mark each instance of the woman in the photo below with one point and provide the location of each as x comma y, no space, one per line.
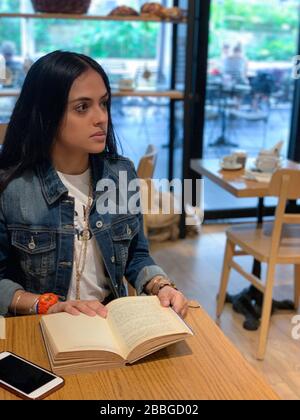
236,66
58,253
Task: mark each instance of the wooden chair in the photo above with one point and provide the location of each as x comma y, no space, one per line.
272,243
3,128
147,163
145,171
130,289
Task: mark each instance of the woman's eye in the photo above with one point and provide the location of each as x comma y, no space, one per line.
104,104
81,108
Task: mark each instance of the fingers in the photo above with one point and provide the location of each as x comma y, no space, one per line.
75,307
165,301
63,307
171,297
98,308
70,309
85,308
184,310
180,304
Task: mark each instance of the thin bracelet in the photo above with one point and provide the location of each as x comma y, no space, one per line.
17,301
157,279
33,307
159,283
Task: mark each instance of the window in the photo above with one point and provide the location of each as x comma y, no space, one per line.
249,91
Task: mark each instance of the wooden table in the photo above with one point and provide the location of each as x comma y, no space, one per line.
206,366
234,181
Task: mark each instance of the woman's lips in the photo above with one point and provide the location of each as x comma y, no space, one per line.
100,136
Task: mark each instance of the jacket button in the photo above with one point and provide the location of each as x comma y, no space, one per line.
112,259
99,224
128,230
31,245
66,264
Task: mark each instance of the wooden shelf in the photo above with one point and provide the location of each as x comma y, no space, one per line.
9,92
172,94
90,17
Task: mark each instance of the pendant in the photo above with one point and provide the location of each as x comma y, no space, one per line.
85,235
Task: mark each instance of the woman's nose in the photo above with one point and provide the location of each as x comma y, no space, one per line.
100,116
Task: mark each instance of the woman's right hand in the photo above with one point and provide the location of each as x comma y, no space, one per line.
75,307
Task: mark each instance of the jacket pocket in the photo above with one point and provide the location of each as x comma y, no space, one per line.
122,234
36,250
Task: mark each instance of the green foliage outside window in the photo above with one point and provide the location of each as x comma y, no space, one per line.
98,38
10,29
270,26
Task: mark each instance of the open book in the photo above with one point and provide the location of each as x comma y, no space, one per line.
135,327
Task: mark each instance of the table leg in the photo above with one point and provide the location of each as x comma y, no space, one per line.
222,140
256,269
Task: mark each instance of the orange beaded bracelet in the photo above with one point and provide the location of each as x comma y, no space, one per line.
45,301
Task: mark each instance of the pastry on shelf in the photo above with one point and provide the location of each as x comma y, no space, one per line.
173,13
153,9
126,84
123,11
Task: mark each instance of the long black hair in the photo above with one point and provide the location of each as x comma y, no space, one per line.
39,111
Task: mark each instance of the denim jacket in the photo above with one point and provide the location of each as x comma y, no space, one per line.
37,233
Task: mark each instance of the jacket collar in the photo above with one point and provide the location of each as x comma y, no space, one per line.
52,186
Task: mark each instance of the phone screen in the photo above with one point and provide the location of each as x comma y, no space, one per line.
23,376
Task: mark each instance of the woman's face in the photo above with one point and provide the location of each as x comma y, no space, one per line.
84,125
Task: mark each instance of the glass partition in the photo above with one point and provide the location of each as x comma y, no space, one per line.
249,92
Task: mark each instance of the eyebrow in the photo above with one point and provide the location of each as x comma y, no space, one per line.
85,98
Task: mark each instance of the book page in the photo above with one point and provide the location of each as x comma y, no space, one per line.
79,332
139,318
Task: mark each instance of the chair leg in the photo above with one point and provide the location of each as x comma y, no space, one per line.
229,253
266,312
130,289
296,286
145,226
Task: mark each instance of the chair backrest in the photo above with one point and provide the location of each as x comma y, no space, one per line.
285,185
147,163
3,128
292,177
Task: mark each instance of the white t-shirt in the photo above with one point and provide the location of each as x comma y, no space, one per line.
93,283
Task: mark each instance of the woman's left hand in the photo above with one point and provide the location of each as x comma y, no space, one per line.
168,296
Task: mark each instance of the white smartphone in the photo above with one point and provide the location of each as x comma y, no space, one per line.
26,379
